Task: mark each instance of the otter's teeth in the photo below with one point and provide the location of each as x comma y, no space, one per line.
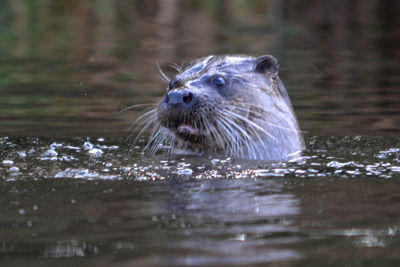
187,129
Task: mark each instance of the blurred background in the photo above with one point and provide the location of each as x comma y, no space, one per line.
67,67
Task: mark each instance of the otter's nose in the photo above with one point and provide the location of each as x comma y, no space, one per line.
183,98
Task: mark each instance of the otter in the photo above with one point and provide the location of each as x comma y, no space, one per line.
230,104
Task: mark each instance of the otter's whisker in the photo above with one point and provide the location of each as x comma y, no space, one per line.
239,106
137,106
147,125
253,148
245,139
232,138
283,128
253,124
176,67
242,140
171,142
228,136
157,131
159,138
163,75
145,116
216,135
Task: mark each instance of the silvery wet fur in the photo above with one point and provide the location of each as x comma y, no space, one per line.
230,104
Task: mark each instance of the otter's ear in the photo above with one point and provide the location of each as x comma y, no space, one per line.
267,64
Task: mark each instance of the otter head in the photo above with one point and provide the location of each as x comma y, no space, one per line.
230,104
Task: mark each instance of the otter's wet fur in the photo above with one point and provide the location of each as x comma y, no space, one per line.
230,104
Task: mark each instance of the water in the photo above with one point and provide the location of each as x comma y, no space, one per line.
73,192
84,201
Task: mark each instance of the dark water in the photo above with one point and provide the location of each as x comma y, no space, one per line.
67,199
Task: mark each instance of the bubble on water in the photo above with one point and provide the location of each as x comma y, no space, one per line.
185,172
395,168
82,173
77,173
214,161
183,164
241,175
388,153
50,153
126,169
14,169
67,158
266,173
335,164
87,145
55,145
49,158
96,152
8,162
72,147
141,178
21,154
281,171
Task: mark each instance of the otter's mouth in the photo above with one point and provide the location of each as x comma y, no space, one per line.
188,133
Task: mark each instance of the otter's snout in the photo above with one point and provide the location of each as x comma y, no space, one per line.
180,98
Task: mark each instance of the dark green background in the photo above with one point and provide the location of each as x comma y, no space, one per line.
67,67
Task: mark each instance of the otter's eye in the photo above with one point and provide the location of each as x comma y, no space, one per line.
219,82
173,84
